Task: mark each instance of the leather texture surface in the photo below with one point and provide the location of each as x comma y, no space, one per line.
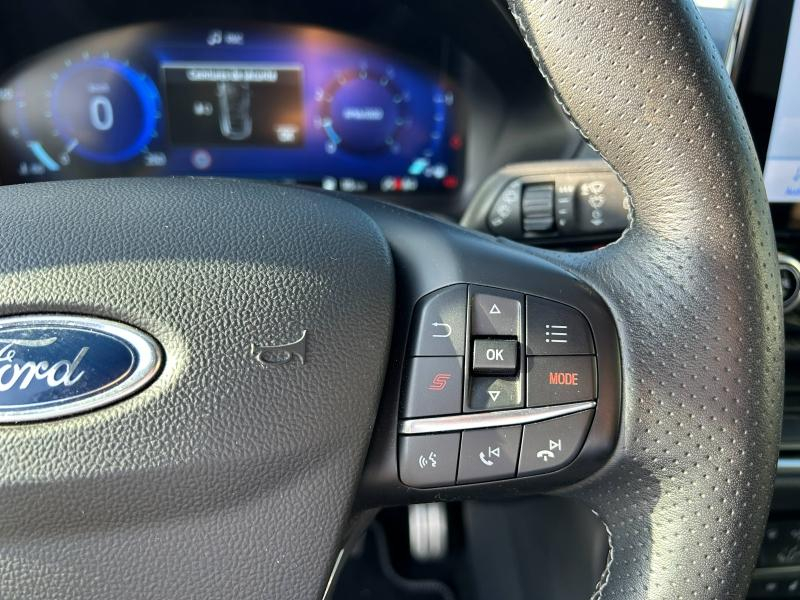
225,478
693,284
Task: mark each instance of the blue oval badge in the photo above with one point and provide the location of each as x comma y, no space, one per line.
57,365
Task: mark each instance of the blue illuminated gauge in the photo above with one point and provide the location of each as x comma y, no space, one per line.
102,110
363,112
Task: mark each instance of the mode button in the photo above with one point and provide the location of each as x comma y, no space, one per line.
560,380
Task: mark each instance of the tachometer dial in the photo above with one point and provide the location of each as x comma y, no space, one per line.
363,112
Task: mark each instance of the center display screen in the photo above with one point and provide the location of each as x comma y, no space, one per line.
782,167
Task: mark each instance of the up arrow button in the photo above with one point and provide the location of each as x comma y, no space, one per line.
495,312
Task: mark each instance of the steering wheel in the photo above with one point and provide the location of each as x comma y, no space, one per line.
240,470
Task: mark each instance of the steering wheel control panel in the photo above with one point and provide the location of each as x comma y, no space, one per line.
498,385
538,202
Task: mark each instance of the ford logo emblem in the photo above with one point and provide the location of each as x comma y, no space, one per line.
57,365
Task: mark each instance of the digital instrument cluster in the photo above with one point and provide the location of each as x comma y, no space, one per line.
286,103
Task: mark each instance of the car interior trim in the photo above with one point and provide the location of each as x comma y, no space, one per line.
500,418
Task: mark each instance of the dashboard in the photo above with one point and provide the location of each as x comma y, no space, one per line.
411,101
294,104
404,101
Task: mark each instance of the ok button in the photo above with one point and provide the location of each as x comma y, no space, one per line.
495,357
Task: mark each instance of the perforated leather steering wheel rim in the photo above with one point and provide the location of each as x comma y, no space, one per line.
693,285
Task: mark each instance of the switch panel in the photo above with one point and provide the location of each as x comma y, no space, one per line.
476,408
546,201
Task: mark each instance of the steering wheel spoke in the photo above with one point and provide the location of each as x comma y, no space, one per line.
511,375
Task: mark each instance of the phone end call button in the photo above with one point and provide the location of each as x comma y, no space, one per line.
552,444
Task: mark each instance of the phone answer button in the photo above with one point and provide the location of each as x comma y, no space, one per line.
489,454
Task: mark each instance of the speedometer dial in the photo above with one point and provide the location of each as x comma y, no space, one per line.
102,110
81,113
